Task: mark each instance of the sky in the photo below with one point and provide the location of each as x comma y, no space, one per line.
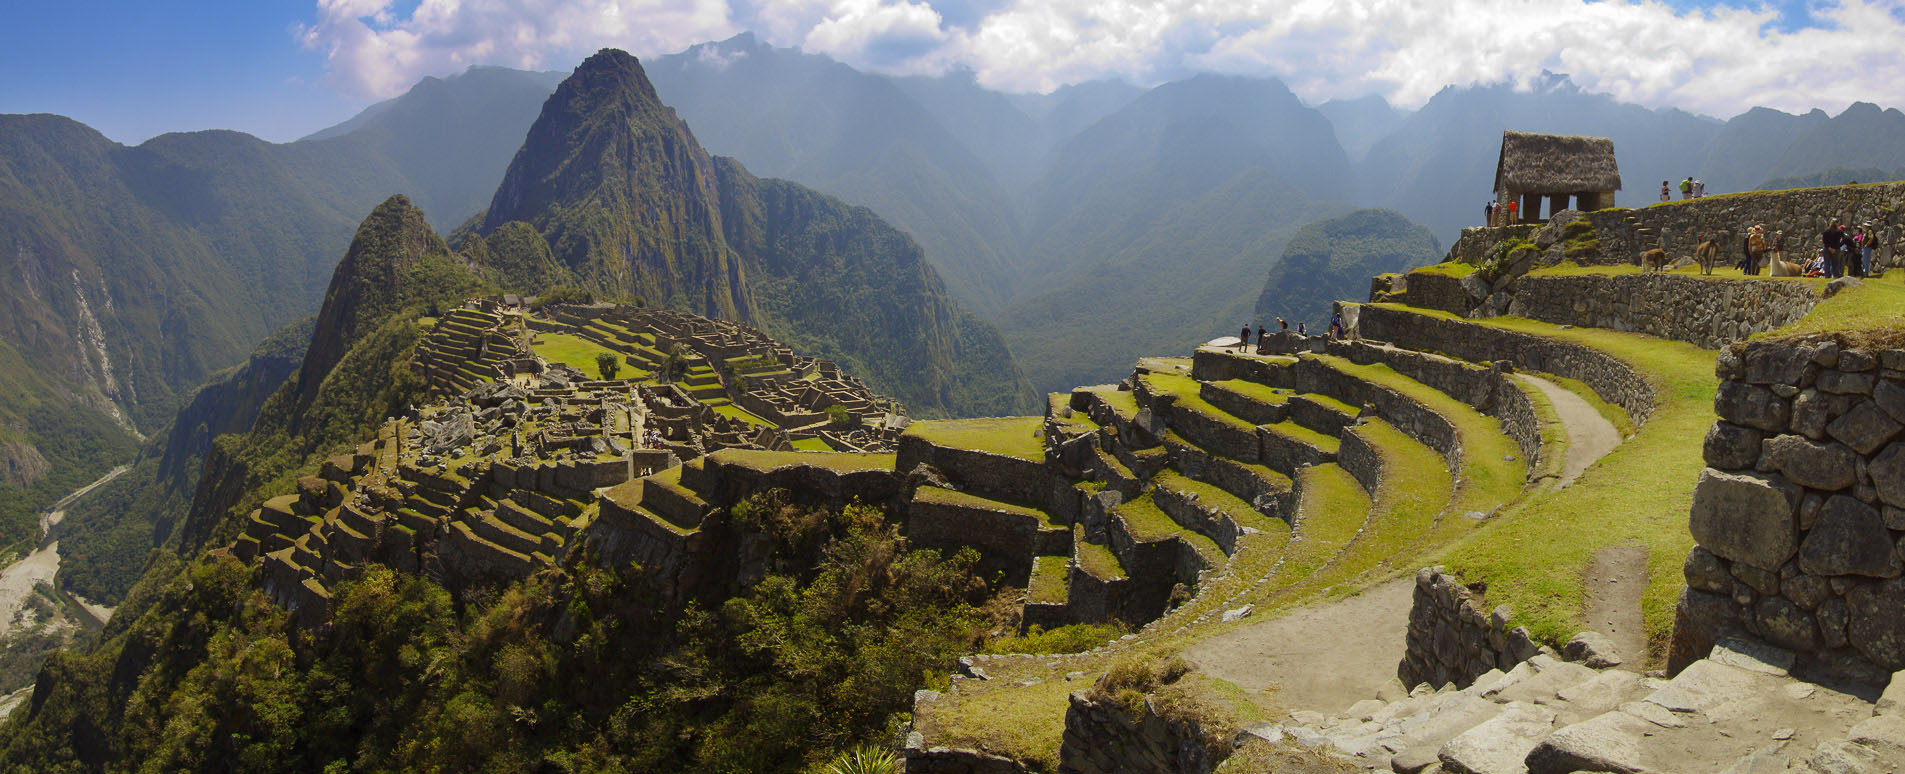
281,69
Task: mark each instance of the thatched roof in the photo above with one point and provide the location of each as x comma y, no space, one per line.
1556,164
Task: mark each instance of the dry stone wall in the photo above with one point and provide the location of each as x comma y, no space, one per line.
1452,640
1483,388
1801,213
1800,514
1610,378
1103,738
1701,311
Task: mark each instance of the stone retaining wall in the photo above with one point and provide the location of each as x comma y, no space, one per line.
1802,213
1451,639
1103,738
1610,378
1360,460
1483,388
1705,312
1476,246
1800,514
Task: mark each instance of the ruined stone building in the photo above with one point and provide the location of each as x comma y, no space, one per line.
1558,167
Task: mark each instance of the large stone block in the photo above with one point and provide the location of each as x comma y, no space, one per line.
1809,463
1707,572
1888,474
1753,406
1850,539
1865,428
1769,363
1731,446
1745,518
1785,625
1877,622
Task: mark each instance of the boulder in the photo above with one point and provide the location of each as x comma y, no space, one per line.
1499,744
1730,446
1850,539
1891,399
1607,742
1888,474
1875,627
1750,405
1840,285
1865,428
1812,464
1592,649
1745,517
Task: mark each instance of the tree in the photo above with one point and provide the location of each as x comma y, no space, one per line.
608,363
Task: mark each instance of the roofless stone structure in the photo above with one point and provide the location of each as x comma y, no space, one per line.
1558,167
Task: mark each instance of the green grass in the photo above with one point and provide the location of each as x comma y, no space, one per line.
1876,306
1455,269
580,352
1332,506
1332,404
1124,403
1239,511
732,411
1147,523
1074,638
839,462
1097,560
1290,429
1018,721
1009,436
1049,584
1532,554
1058,406
811,445
936,495
1260,393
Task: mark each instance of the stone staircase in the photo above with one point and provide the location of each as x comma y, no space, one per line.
1737,711
466,348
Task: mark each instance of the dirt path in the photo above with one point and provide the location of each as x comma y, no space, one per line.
1590,435
1614,582
1324,658
54,514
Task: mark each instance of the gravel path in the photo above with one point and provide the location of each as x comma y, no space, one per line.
1323,657
1590,435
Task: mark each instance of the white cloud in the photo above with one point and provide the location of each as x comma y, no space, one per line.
1717,61
376,52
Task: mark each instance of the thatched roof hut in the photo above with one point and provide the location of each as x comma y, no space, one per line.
1559,167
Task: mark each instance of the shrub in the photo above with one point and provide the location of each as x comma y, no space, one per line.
1128,680
865,759
608,363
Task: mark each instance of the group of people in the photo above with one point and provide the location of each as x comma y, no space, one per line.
1283,326
1842,251
1689,189
1498,214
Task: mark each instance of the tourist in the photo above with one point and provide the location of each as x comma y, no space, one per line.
1243,340
1830,241
1512,207
1282,327
1488,212
1866,238
1699,189
1779,246
1299,329
1686,188
1336,326
1665,192
1755,248
1259,334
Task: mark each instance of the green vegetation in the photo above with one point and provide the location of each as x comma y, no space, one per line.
1075,638
1870,312
732,411
1010,436
840,462
1615,415
811,661
608,365
1049,583
1532,553
1097,560
583,354
1334,259
811,445
1451,269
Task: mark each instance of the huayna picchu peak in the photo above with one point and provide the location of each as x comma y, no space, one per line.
628,205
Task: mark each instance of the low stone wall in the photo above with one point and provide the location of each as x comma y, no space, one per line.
1801,213
1360,460
1451,640
1610,378
1701,311
1102,738
1800,514
982,473
1437,291
1483,388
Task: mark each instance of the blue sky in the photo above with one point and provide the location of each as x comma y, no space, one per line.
284,68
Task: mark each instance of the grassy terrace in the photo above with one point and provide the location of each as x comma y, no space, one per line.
1124,403
1048,583
1147,523
938,496
1491,469
1260,393
1290,429
1455,269
1009,436
1185,392
580,352
1209,494
1864,313
732,411
839,462
1532,554
1097,560
811,445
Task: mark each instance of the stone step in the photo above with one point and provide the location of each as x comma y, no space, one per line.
1206,509
1253,402
938,516
1288,446
1322,413
1141,521
507,559
525,520
1269,492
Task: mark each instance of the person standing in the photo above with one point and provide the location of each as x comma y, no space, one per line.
1488,213
1699,189
1665,192
1831,241
1282,326
1865,249
1686,188
1243,340
1299,329
1512,207
1259,334
1336,326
